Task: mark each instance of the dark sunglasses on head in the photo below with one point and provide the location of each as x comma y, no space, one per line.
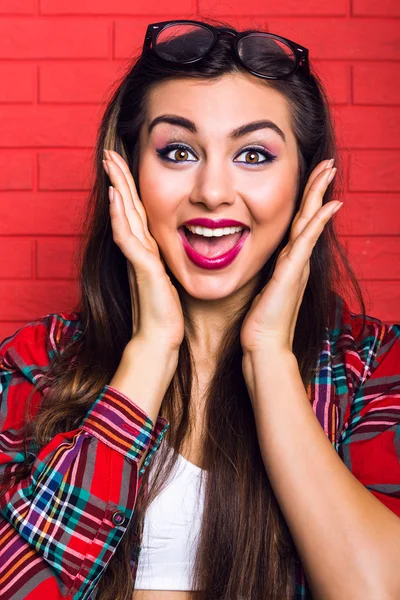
263,54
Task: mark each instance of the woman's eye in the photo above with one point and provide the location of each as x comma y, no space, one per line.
180,154
251,153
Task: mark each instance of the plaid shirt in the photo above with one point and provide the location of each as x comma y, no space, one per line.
60,526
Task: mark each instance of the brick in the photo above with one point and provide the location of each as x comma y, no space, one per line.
117,7
65,170
47,125
55,258
17,83
371,213
16,170
385,300
53,38
27,300
368,126
284,7
376,83
369,8
129,37
342,39
375,257
17,7
374,171
335,78
15,258
78,81
42,213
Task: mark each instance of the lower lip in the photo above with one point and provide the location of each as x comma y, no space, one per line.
218,262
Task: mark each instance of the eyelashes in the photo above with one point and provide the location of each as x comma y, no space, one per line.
163,152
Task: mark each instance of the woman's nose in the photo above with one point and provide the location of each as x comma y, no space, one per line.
214,186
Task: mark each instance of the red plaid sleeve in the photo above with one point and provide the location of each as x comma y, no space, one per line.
369,440
60,526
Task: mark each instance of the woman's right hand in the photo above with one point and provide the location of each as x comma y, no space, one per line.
159,319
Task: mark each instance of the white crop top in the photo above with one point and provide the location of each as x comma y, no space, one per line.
170,530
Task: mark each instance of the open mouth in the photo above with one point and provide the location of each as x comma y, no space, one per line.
214,246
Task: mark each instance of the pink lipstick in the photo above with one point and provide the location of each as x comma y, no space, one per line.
218,262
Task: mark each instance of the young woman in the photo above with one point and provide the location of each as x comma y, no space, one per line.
211,421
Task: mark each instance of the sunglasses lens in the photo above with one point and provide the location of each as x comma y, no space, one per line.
183,42
266,55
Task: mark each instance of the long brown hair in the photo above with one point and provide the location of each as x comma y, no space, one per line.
245,548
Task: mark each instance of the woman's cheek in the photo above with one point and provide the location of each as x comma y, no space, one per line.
272,206
269,198
280,191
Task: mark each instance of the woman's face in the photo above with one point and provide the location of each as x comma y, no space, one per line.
251,178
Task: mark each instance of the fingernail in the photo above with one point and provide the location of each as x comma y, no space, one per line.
332,175
111,193
106,167
330,163
337,208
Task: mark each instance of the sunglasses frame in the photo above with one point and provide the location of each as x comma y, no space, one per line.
300,52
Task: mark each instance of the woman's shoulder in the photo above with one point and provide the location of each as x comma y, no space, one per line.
366,373
360,347
37,342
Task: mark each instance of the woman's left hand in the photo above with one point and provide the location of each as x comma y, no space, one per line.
271,320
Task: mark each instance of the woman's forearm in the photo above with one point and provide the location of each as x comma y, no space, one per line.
143,375
348,541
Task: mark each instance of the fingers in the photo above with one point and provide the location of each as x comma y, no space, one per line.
325,164
119,182
117,158
143,258
123,233
300,249
312,202
309,221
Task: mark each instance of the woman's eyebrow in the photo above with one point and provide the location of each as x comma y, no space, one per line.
236,133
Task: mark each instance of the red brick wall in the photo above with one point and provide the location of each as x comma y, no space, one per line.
58,60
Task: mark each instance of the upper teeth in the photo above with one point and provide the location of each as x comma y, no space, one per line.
213,232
